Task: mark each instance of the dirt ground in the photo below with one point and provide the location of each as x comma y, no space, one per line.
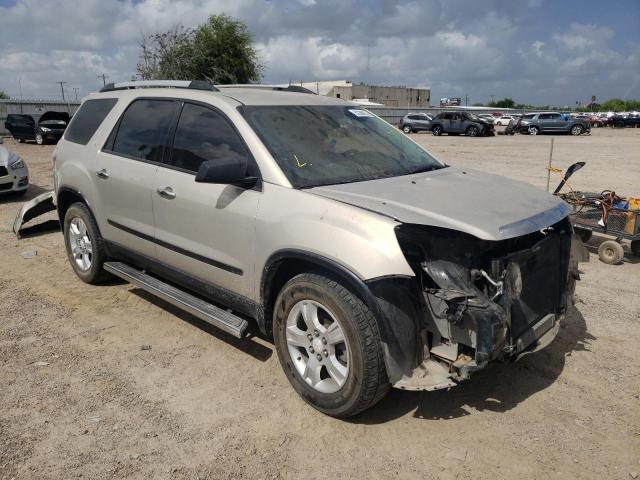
79,398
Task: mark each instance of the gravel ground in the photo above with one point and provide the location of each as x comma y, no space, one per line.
80,398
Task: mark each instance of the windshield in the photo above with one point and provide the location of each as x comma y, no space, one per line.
324,145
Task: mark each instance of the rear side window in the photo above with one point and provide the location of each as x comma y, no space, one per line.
204,134
143,129
20,119
87,120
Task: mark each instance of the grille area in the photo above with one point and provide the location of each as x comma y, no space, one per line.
6,186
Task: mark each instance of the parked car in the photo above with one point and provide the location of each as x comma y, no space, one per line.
45,128
621,121
553,122
371,263
416,122
488,117
455,123
14,174
504,120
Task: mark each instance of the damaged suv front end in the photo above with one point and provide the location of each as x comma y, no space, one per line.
485,300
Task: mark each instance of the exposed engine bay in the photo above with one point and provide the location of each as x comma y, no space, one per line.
483,300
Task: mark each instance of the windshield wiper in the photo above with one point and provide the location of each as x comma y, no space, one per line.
428,168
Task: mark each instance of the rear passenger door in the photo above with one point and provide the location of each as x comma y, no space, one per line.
125,171
457,123
206,230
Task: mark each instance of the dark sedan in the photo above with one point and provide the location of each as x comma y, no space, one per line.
48,128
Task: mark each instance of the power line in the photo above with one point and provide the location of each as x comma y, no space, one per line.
75,90
104,79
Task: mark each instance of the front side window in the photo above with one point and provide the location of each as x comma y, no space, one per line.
323,145
143,129
204,134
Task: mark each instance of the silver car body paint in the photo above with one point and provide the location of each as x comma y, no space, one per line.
13,177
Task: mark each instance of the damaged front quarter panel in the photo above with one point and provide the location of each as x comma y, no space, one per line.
484,300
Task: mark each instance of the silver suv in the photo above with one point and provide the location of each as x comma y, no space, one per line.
309,219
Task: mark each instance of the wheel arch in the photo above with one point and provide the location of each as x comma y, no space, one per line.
390,298
66,197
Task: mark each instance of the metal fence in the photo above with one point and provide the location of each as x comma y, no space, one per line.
33,107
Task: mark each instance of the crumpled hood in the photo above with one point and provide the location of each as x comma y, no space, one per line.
487,206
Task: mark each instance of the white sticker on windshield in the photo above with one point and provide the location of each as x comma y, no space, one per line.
360,113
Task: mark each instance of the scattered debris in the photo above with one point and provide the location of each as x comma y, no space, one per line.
29,254
145,347
94,419
633,474
40,364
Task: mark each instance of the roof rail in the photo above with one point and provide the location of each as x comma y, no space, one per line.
279,88
192,84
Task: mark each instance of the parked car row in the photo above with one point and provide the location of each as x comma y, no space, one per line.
451,123
46,128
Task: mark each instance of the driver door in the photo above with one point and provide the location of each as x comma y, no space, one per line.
203,229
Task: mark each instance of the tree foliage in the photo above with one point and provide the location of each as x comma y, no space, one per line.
3,96
504,103
220,51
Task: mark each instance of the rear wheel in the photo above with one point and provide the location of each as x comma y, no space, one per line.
329,346
610,252
39,139
437,130
576,130
533,130
85,248
406,129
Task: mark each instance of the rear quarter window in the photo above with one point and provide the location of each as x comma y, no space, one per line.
87,119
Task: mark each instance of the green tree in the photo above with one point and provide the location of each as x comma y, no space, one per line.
504,103
3,96
220,51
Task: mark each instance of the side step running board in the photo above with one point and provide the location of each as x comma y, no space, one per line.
211,314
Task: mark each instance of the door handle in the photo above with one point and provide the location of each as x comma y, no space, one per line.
166,192
102,173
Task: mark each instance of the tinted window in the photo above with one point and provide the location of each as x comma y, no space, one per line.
444,116
143,129
20,120
202,135
544,116
87,120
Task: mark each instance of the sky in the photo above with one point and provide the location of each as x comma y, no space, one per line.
534,51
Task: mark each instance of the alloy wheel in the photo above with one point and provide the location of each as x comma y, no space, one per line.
317,346
80,244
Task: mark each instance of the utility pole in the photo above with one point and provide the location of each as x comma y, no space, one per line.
62,88
104,79
466,100
492,98
75,90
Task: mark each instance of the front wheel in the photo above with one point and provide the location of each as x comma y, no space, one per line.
619,124
406,129
533,130
39,139
610,252
329,346
576,130
84,245
437,130
472,131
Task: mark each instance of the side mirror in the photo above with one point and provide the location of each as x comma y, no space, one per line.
226,171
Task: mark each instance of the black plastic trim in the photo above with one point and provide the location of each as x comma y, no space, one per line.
174,248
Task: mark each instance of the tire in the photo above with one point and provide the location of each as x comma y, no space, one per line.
407,129
91,250
610,252
577,130
635,247
437,130
39,139
363,373
472,131
619,124
533,130
584,235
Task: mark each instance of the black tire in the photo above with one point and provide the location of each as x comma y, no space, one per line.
95,274
635,247
610,252
619,124
437,130
366,382
472,131
407,129
576,130
584,235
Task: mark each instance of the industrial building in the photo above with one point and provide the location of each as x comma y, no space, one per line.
392,96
